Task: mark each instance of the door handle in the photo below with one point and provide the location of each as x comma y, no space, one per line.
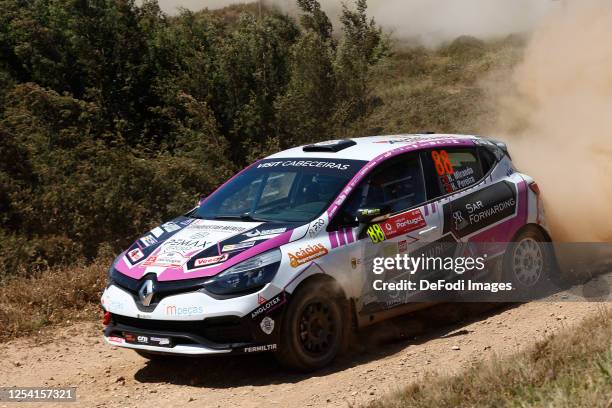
428,230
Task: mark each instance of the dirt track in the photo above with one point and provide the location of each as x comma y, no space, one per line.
110,377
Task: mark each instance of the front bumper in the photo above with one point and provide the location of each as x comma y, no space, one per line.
209,336
179,349
195,324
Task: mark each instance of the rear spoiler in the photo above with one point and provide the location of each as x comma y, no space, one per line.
502,146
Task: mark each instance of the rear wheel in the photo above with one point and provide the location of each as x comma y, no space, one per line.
314,328
528,261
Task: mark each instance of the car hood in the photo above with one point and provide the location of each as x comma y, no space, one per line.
187,248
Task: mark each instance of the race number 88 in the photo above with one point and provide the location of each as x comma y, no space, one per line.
376,234
442,162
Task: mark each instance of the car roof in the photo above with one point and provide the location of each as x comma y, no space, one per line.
369,148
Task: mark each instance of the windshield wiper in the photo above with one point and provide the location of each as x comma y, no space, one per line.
242,217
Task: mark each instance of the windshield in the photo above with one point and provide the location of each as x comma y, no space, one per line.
282,190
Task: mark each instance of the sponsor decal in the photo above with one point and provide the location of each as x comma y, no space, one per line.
258,233
238,246
254,349
341,237
135,255
173,310
183,245
442,162
459,180
162,341
316,227
148,240
267,306
148,340
376,233
201,225
166,260
396,226
355,262
509,168
478,210
435,140
433,208
305,255
305,163
211,260
419,141
267,325
261,300
401,140
199,235
157,232
403,224
116,339
170,227
186,222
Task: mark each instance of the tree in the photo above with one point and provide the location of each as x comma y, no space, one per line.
114,116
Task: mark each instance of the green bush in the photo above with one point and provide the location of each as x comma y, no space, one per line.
115,117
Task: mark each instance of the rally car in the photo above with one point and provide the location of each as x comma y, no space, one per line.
279,257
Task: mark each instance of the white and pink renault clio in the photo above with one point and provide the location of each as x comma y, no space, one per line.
279,258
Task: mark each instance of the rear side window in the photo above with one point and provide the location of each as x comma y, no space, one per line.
450,170
487,159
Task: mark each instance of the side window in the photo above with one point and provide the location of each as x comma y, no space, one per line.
450,170
487,159
398,185
315,188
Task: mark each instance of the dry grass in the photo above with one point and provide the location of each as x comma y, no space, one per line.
439,90
55,296
570,369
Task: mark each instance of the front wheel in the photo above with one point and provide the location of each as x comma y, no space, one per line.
314,328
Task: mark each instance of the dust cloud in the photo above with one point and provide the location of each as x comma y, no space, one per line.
557,115
429,22
433,22
555,108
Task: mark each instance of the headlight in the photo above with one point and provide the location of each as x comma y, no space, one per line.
247,276
111,272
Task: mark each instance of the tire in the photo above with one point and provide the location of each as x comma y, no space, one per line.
315,327
528,262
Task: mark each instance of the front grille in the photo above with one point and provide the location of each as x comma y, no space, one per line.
162,289
222,330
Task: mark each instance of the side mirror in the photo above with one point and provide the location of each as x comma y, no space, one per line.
372,215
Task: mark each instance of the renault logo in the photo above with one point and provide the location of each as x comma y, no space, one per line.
146,292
